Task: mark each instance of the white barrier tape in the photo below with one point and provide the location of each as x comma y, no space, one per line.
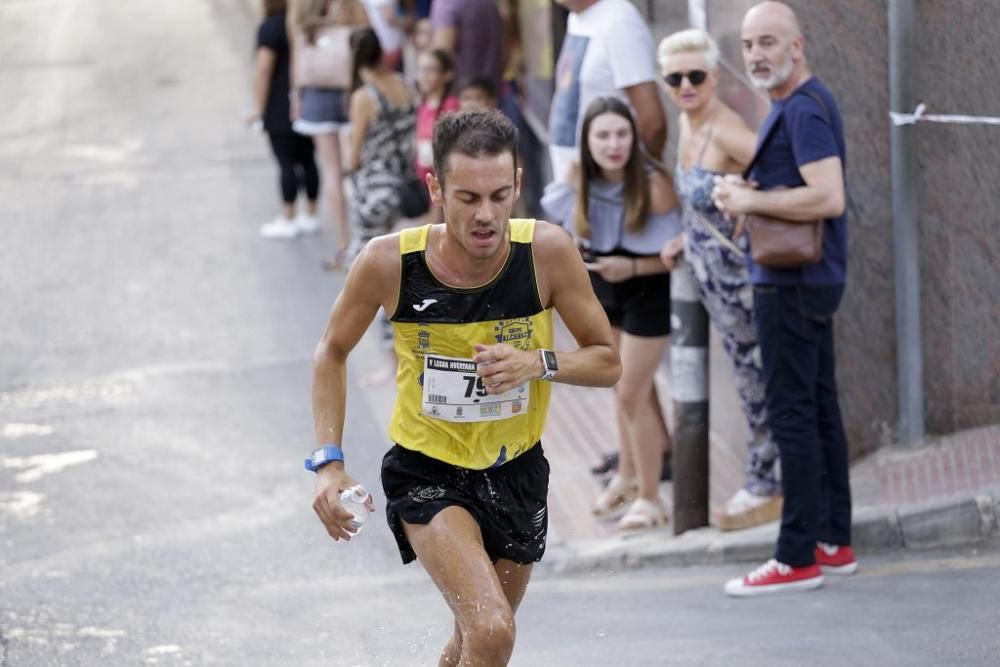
918,115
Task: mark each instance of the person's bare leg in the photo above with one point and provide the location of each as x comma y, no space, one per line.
644,429
654,397
626,461
620,490
514,581
450,548
452,652
328,151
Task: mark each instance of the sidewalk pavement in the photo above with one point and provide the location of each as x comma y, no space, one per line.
946,493
963,519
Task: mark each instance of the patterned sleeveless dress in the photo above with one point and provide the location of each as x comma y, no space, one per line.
386,160
719,267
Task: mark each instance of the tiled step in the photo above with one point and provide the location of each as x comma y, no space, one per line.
965,462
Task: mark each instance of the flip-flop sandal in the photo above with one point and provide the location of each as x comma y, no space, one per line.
643,515
618,493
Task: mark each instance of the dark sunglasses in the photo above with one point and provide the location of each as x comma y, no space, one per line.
695,76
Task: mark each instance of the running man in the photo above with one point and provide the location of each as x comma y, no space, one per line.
471,306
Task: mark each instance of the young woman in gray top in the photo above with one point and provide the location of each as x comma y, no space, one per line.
609,210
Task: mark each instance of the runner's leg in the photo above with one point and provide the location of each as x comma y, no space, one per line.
452,652
514,581
450,547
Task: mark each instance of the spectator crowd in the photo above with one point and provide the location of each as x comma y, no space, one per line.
349,91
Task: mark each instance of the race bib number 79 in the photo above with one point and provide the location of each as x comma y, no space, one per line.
453,392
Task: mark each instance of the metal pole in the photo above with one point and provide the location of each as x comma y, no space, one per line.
689,386
909,349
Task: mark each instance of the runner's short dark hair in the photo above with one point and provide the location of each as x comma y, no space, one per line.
475,133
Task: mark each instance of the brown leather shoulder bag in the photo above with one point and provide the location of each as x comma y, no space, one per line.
778,243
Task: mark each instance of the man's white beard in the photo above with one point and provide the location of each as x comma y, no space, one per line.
778,76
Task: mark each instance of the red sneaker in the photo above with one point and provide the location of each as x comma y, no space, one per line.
835,559
774,577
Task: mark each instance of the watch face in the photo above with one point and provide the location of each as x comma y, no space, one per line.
550,361
325,455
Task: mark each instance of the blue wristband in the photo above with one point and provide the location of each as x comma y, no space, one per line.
323,455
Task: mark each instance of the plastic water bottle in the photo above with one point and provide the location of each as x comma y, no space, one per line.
353,500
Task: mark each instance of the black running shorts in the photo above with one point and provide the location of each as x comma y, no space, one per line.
509,502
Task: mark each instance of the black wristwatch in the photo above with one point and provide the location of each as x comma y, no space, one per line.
550,364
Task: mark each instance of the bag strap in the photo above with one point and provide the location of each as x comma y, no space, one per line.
714,231
774,126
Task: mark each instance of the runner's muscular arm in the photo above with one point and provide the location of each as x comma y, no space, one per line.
596,363
374,273
367,288
563,279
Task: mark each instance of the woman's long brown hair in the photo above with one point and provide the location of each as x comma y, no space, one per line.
636,183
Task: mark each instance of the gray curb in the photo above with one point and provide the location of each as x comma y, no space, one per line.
946,522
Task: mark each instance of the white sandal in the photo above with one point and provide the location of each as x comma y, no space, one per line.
746,509
644,514
615,496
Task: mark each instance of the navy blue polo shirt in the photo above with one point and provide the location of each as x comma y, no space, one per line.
805,133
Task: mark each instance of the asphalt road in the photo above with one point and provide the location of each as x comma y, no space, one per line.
154,382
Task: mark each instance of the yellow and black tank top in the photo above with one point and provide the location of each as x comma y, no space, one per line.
436,319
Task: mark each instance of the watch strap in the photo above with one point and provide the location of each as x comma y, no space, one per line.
323,455
549,371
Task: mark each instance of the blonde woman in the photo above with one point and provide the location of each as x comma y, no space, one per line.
322,112
714,140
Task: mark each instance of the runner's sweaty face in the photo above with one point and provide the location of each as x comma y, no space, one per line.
477,196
